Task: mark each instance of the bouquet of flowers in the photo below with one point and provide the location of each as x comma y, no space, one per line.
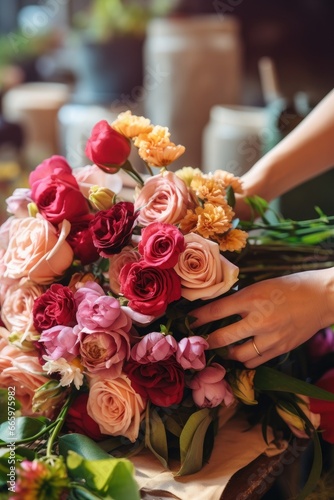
98,355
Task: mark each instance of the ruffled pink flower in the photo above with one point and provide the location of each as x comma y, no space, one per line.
97,311
17,203
61,342
209,387
154,347
191,352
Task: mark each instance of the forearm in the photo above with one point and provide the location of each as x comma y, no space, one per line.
305,153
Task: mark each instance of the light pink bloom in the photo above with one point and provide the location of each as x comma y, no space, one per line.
204,272
209,389
17,203
115,406
116,262
92,175
163,198
104,352
61,342
154,347
97,311
190,352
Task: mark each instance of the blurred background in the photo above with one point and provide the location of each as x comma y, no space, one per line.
229,78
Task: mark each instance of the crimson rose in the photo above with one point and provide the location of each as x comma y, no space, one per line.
161,244
55,307
107,147
56,192
149,289
81,241
78,420
325,408
112,229
161,383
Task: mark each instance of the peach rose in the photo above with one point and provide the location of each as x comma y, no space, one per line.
92,175
16,310
163,198
22,371
116,262
204,272
115,406
35,251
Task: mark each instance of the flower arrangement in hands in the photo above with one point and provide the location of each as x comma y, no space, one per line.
96,298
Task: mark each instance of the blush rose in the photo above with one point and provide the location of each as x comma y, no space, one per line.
204,272
78,420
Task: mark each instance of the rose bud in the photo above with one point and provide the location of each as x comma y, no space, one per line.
101,198
49,395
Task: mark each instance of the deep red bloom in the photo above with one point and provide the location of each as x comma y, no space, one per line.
78,420
112,229
149,289
325,408
81,240
55,307
107,147
161,383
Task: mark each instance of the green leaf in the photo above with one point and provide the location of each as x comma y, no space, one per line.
7,406
22,428
269,379
82,445
113,478
192,442
155,436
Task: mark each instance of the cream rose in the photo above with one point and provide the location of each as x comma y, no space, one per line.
21,370
116,262
204,272
163,198
115,406
36,251
16,310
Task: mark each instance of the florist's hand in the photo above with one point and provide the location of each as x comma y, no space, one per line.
277,314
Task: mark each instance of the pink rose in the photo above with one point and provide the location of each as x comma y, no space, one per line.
104,352
116,407
149,289
61,342
22,370
191,353
154,347
99,311
36,251
204,272
16,310
163,198
127,255
55,191
209,387
161,244
92,175
17,203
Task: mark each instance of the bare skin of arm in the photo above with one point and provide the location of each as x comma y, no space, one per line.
281,313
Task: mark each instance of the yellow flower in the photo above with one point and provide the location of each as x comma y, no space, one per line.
131,125
229,179
158,136
213,220
243,386
189,223
209,190
101,198
232,241
160,156
187,174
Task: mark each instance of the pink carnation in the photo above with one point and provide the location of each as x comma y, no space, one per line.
154,347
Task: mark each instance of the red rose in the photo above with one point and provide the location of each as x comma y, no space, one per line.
149,289
81,241
55,307
161,383
112,229
325,408
107,148
78,420
56,192
161,244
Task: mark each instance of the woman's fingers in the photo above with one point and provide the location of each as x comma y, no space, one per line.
218,309
250,356
230,334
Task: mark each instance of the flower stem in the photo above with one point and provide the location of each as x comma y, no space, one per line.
59,424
